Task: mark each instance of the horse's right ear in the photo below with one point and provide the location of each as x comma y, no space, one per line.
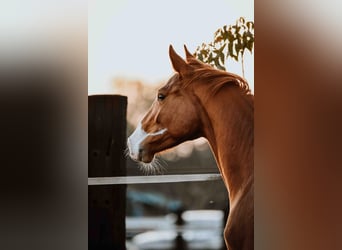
189,56
178,63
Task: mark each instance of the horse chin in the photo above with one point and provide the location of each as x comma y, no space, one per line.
147,158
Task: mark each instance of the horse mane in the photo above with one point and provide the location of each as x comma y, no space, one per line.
218,78
243,131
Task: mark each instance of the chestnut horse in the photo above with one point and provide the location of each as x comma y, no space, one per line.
200,101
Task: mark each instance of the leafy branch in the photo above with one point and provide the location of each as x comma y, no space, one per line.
231,41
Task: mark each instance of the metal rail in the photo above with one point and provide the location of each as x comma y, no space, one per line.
152,179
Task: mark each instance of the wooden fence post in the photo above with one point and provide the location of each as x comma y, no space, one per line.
107,141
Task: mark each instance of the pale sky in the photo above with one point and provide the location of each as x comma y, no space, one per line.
130,38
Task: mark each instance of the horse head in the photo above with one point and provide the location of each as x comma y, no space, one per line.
173,117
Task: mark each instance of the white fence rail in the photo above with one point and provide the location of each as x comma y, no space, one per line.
152,179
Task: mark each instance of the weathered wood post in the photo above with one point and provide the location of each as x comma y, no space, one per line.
107,141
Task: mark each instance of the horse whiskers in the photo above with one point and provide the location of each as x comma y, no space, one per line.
154,167
126,152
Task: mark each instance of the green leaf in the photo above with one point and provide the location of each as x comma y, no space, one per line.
218,39
217,32
250,46
204,52
200,57
236,38
216,61
245,40
221,55
230,49
230,36
238,47
222,47
210,57
250,25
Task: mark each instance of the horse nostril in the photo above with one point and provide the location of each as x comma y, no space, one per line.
140,150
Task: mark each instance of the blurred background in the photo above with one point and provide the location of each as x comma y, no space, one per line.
44,73
43,128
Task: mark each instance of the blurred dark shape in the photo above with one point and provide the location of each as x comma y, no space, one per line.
40,156
179,221
180,243
43,130
298,126
137,200
190,195
199,229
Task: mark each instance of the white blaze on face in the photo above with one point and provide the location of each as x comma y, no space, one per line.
137,137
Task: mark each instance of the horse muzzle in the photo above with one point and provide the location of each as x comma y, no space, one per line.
137,143
138,153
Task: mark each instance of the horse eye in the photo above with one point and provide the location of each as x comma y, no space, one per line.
161,97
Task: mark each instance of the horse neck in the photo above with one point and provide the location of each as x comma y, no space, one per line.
229,128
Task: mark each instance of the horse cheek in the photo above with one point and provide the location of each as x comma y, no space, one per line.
189,121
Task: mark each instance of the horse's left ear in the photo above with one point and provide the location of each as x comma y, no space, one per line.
178,63
188,54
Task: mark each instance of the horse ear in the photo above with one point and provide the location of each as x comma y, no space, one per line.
188,54
178,63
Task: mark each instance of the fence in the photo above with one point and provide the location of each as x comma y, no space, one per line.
107,172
